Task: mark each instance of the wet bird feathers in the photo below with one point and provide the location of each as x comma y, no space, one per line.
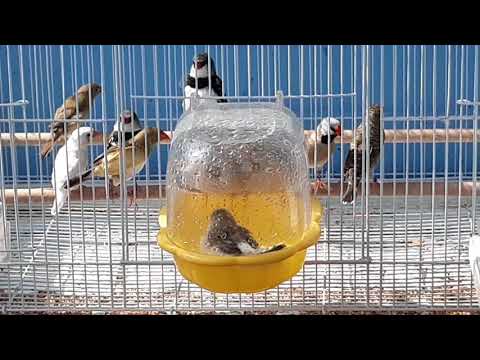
226,236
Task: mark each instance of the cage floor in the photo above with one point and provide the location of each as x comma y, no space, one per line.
402,256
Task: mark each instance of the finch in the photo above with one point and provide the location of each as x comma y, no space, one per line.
136,155
226,237
71,161
352,173
69,111
328,129
202,79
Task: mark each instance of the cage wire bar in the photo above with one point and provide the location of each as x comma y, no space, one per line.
402,246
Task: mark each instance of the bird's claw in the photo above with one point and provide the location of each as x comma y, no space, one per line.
131,194
318,185
112,191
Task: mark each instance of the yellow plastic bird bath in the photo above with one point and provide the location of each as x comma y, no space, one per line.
242,274
249,159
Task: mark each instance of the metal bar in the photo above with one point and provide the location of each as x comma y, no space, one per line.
23,103
245,97
307,262
276,309
414,189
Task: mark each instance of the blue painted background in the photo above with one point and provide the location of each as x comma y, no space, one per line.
415,82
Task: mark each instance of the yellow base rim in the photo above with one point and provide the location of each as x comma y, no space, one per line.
246,274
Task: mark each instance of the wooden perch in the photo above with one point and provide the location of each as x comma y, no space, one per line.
391,136
428,135
36,195
37,139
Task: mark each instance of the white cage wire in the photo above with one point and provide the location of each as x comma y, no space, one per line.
404,245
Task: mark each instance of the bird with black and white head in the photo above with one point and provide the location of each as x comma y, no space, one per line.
322,144
125,128
203,81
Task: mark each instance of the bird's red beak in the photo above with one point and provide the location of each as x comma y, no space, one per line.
338,131
164,137
127,119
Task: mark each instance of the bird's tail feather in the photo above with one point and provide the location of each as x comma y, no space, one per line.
46,149
58,202
73,182
274,248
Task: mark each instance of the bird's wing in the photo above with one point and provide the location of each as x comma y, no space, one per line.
247,236
322,153
58,123
75,168
116,137
350,160
357,141
114,152
113,157
66,169
217,87
244,241
113,139
112,144
98,159
59,113
67,110
59,172
309,145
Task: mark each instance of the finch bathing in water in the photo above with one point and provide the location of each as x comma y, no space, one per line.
69,111
226,237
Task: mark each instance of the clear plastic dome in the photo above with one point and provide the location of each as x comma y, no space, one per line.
247,158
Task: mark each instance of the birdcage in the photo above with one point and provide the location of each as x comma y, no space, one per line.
400,243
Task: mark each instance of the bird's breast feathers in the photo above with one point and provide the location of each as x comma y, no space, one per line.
189,91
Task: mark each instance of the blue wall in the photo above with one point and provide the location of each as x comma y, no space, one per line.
410,81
